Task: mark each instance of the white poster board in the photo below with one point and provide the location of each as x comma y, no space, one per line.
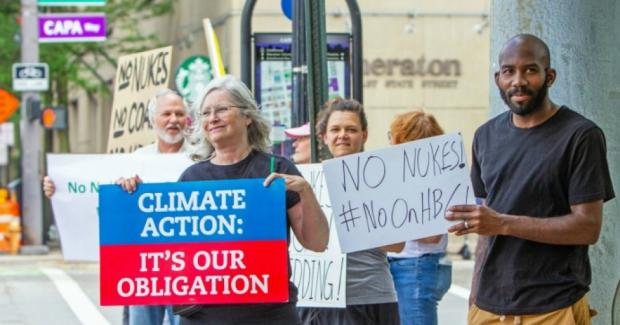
398,193
77,179
7,133
320,277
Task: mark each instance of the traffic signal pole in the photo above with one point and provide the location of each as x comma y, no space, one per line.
246,42
316,62
357,57
299,68
31,208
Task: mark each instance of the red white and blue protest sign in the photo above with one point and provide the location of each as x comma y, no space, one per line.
210,242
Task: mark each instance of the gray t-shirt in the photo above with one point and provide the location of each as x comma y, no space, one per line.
368,278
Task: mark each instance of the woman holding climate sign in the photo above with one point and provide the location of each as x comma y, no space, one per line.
232,140
420,274
371,298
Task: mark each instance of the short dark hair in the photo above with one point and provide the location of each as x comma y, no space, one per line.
520,38
341,105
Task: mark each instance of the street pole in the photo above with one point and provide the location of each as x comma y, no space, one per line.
32,217
316,61
299,69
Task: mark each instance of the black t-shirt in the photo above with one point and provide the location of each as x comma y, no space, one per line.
256,165
538,172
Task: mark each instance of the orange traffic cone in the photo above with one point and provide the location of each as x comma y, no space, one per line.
10,227
15,236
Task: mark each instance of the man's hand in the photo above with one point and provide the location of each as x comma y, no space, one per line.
580,227
48,187
476,219
129,184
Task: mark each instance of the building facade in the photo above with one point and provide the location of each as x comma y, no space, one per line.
417,54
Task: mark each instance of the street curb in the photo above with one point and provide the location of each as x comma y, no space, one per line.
53,255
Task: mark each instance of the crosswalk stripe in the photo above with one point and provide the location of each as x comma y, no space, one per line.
73,295
459,292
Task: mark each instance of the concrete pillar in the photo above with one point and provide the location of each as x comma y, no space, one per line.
583,37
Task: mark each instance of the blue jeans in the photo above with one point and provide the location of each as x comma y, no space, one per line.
151,315
420,283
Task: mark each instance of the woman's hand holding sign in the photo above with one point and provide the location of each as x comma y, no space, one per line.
129,184
306,217
292,182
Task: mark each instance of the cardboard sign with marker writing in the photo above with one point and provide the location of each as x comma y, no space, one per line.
321,278
398,193
138,77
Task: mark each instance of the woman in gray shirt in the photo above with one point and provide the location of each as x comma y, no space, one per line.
371,297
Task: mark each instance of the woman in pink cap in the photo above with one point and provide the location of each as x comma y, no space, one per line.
301,135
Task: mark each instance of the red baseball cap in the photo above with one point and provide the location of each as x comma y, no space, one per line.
298,132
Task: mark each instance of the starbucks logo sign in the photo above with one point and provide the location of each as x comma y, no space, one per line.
192,76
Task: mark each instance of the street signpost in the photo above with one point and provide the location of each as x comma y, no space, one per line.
32,214
30,77
62,28
66,3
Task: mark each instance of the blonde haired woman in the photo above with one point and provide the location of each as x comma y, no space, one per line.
232,140
421,276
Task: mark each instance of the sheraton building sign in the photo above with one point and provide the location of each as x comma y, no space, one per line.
412,73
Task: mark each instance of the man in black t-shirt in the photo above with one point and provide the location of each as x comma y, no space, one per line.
542,172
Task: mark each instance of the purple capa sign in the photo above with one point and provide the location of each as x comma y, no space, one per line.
62,28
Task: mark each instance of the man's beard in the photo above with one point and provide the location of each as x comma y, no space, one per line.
167,138
535,103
